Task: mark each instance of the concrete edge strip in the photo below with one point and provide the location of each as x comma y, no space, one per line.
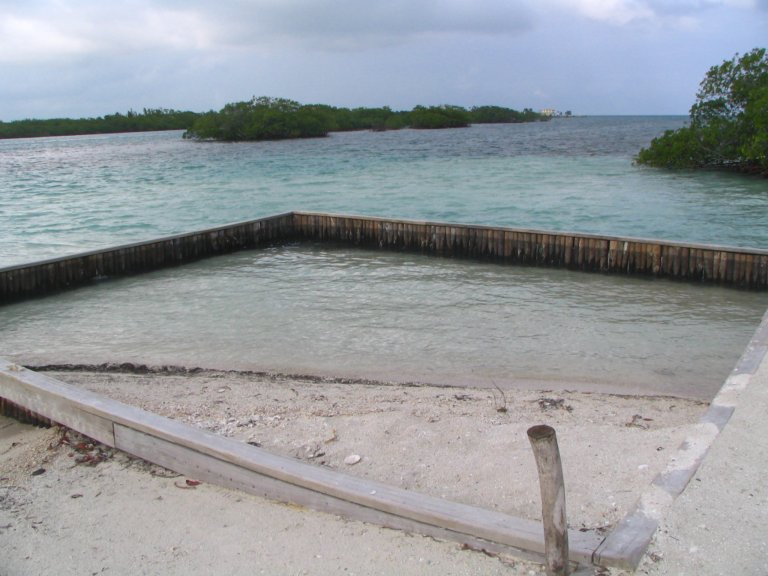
233,464
627,543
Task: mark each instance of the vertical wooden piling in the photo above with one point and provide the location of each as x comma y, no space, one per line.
544,443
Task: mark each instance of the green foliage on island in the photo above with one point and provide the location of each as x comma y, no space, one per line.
378,119
499,115
262,119
266,118
445,116
148,120
728,122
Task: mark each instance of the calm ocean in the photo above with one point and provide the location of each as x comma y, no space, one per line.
311,309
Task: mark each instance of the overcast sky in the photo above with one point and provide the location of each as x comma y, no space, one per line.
80,58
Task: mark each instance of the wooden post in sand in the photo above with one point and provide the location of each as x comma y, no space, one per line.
544,443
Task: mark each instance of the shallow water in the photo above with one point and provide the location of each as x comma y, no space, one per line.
355,313
371,314
64,195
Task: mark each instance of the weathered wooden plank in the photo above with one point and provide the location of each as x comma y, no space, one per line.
749,271
581,255
208,469
655,250
28,282
568,252
736,269
257,471
24,280
739,269
673,265
637,258
752,271
612,261
41,395
709,263
716,267
730,267
594,254
229,462
601,255
628,542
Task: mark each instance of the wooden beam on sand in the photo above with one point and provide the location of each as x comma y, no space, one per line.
233,464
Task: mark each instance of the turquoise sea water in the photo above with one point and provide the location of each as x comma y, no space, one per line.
353,313
64,195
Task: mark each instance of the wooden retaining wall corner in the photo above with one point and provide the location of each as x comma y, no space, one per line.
25,280
583,252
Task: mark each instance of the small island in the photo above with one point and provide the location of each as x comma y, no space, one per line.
277,119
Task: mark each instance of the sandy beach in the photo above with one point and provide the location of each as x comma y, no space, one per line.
463,444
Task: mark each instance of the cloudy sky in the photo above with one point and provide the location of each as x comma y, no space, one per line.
79,58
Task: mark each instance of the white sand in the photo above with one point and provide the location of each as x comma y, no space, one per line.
464,444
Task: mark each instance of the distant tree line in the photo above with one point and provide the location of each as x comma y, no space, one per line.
265,118
150,119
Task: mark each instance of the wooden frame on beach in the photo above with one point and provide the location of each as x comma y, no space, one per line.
237,465
233,464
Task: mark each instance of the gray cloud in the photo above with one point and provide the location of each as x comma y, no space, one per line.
42,30
355,25
676,12
89,57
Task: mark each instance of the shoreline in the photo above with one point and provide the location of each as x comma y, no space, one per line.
512,385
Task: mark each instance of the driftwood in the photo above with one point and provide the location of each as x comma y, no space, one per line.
544,442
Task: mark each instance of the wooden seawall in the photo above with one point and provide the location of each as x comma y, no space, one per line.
743,268
746,268
37,278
